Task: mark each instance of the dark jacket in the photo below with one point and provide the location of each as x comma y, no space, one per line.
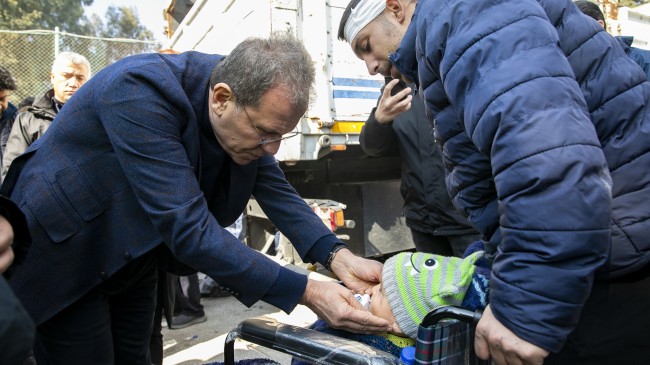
544,126
640,56
28,127
6,121
131,162
427,207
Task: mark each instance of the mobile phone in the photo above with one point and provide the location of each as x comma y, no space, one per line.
401,85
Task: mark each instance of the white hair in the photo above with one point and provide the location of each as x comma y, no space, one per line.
66,58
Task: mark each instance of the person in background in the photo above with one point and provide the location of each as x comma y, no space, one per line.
543,124
436,226
640,56
69,72
143,168
7,109
188,301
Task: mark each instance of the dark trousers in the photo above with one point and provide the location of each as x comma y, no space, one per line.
614,327
111,324
442,245
188,296
164,307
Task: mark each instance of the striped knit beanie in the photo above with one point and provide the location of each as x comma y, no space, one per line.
416,283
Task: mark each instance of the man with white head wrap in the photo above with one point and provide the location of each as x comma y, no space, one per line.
542,119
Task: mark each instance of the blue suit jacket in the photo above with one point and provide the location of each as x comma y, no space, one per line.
130,162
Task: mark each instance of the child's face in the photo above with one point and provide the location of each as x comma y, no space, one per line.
379,306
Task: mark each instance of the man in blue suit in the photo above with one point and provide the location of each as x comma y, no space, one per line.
145,166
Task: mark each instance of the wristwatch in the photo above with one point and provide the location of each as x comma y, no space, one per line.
330,258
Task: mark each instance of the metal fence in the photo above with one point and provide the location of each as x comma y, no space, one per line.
29,54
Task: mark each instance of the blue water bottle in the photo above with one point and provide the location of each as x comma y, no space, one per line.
407,356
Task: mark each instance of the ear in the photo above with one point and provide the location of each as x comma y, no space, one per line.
396,8
221,95
602,23
51,76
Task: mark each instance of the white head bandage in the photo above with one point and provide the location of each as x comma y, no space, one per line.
365,12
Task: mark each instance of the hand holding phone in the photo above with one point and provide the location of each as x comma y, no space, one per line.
388,108
401,85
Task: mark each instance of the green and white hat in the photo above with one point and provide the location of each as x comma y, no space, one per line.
416,283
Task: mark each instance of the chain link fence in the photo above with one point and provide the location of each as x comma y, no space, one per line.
29,55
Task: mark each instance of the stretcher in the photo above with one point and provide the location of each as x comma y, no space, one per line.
445,337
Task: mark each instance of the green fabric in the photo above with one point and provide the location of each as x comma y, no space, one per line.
416,283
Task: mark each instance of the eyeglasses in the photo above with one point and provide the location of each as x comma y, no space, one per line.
266,140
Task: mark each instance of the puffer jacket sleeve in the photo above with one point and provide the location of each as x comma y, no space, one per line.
514,92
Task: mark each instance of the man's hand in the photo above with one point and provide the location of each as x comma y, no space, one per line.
390,106
494,341
357,273
336,304
6,239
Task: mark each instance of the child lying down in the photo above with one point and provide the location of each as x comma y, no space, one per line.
415,283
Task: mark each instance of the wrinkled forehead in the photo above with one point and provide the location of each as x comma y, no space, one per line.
362,14
70,68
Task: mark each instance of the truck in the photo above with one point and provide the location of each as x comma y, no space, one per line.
357,196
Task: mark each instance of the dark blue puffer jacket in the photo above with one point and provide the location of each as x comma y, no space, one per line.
544,125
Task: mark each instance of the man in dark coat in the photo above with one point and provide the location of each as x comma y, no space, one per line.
146,164
543,121
436,225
